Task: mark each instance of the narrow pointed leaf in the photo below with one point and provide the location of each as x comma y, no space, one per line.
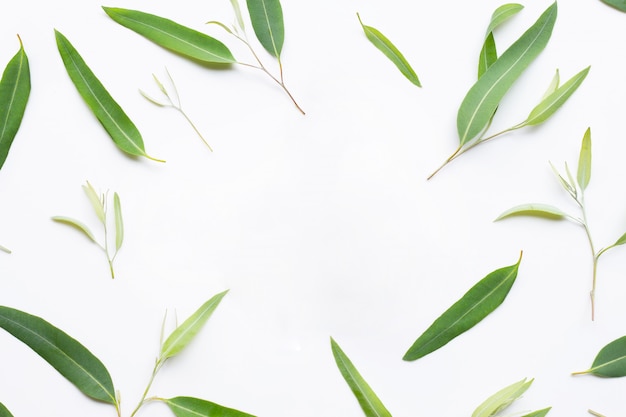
184,333
610,361
502,14
539,413
545,211
618,4
75,224
369,401
152,99
488,55
96,201
238,16
502,399
584,161
117,124
570,188
195,407
384,45
14,93
4,249
4,412
483,298
621,240
266,17
483,98
173,36
119,222
554,84
70,358
550,104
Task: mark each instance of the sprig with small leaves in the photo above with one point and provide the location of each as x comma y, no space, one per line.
100,206
575,187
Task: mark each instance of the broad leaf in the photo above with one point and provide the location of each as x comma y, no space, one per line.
369,401
485,95
14,93
584,161
384,45
97,201
64,353
267,21
195,407
173,36
77,225
119,222
4,412
475,305
610,361
538,210
184,333
618,4
502,399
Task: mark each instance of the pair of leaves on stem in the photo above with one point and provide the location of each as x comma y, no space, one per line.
496,75
85,371
575,187
100,206
266,17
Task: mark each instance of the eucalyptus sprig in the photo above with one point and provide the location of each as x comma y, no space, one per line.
173,101
100,205
575,187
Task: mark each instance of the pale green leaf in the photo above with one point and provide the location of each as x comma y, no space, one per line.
538,210
621,240
238,16
220,24
119,222
554,84
539,413
77,225
584,161
152,99
502,14
570,188
266,17
502,399
195,407
4,249
97,201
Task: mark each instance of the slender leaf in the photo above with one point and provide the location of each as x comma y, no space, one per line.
570,188
119,222
621,240
266,17
184,333
584,161
238,16
3,249
64,353
539,413
121,129
97,201
4,412
550,104
369,401
384,45
618,4
610,361
488,55
14,93
475,305
502,14
483,98
554,84
502,399
539,210
173,36
77,225
195,407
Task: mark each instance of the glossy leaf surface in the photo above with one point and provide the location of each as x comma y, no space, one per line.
267,21
584,161
78,225
610,361
618,4
485,95
119,221
539,210
502,399
369,401
195,407
4,412
114,120
184,333
173,36
14,93
70,358
475,305
384,45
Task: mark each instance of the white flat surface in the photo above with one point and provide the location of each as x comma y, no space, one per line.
320,225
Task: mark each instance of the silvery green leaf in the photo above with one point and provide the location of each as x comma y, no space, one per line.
3,249
97,202
584,161
502,14
237,11
539,413
119,222
539,210
77,225
570,188
502,399
554,84
152,99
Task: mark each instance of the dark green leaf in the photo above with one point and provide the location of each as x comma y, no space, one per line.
475,305
369,401
267,21
195,407
4,412
618,4
119,126
584,161
14,92
610,361
64,353
173,36
488,54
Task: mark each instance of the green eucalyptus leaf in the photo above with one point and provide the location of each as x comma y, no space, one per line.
538,210
97,201
502,14
502,399
539,413
119,222
570,188
584,161
78,225
621,240
384,45
195,407
184,333
483,298
71,359
488,55
14,93
610,361
485,95
617,4
369,401
238,16
4,412
554,84
114,120
267,21
4,249
173,36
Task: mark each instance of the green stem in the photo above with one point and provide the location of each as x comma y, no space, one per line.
155,370
594,413
194,127
595,255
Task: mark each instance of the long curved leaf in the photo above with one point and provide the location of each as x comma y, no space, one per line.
475,305
502,399
14,93
173,36
266,17
78,225
488,53
610,361
65,354
502,14
118,125
184,333
195,407
485,95
369,401
539,210
4,412
383,44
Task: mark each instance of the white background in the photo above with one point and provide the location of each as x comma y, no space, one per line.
320,225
